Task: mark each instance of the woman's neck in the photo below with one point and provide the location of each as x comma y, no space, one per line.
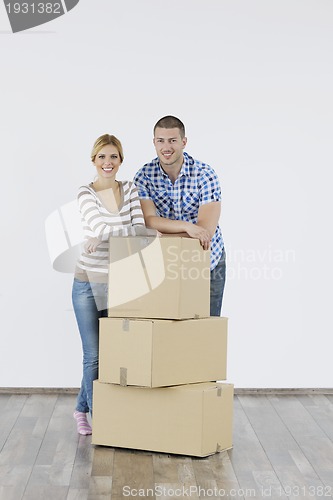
102,184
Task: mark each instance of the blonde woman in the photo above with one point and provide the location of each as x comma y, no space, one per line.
108,207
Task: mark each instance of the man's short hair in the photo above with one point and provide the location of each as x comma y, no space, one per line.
171,122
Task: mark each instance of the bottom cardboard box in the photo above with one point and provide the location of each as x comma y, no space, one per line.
193,419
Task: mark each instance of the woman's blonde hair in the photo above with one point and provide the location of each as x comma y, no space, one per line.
104,140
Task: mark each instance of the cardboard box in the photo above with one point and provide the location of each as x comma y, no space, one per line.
151,277
156,353
194,419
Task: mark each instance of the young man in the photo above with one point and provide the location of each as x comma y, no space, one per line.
179,194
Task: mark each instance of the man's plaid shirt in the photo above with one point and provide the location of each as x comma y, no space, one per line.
196,185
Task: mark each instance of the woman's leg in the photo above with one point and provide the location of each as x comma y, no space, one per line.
87,315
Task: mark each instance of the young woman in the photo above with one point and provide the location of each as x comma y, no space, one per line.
108,207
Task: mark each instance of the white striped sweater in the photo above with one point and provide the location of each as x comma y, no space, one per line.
99,222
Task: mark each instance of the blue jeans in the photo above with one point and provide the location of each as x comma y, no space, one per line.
217,282
84,297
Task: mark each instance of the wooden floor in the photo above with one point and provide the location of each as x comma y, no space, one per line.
283,448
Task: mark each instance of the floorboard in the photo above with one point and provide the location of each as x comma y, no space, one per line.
174,475
132,470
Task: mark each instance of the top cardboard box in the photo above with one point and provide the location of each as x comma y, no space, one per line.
151,277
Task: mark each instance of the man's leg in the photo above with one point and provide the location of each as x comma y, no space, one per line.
217,282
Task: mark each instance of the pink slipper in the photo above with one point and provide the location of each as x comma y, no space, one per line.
83,426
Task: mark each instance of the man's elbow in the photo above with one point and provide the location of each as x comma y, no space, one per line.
150,221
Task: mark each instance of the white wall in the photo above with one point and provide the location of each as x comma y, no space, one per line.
252,80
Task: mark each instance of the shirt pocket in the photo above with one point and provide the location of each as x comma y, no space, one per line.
190,202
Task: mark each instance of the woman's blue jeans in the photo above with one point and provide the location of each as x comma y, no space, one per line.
90,304
217,282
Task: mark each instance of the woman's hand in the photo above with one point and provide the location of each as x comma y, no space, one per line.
91,245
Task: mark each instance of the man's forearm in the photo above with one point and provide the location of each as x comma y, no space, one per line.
169,226
166,225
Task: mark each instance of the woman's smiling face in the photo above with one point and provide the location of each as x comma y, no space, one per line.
107,162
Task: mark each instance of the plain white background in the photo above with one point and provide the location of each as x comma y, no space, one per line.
252,81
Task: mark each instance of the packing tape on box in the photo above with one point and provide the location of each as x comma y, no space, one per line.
123,376
219,392
126,325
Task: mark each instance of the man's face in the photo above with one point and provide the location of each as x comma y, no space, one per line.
169,146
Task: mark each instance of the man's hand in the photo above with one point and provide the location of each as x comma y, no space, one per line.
200,233
91,245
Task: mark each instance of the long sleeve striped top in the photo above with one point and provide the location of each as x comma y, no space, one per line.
99,222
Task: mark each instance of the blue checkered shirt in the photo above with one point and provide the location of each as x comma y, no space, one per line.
196,185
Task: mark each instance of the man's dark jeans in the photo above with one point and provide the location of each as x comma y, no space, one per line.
217,282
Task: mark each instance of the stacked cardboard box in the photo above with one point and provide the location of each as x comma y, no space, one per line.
161,353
